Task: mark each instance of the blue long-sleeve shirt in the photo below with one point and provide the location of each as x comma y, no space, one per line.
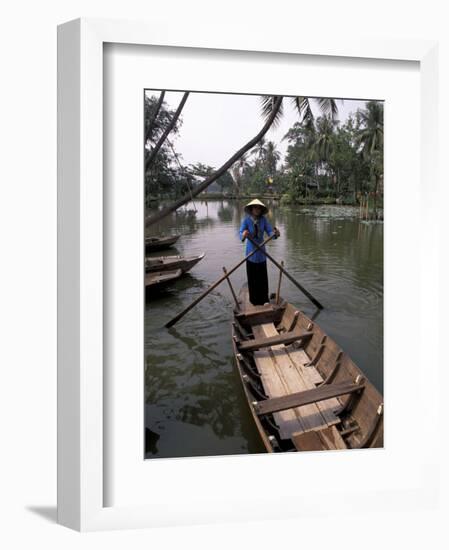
264,226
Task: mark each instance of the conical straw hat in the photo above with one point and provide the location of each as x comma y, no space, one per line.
256,202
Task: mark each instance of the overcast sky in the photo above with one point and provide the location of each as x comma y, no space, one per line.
215,126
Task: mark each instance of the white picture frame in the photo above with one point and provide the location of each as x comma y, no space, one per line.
81,398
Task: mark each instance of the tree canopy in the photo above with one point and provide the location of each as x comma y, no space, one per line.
324,157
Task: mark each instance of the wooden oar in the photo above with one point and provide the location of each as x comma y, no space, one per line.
195,302
278,293
301,288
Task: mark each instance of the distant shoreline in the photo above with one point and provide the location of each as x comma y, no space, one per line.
300,201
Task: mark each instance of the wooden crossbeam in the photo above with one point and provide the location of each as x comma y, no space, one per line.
285,338
306,397
319,440
263,314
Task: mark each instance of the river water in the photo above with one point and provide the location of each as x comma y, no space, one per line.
194,402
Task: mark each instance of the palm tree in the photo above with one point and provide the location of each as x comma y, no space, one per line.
371,135
323,145
272,111
371,139
164,136
150,124
266,155
276,102
237,170
272,157
260,151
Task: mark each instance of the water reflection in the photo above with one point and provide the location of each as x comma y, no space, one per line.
194,401
225,212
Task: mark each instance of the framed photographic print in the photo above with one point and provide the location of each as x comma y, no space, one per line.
323,185
231,218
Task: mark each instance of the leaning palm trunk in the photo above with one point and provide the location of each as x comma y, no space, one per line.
164,136
154,117
222,170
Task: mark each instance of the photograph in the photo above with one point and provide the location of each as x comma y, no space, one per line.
264,273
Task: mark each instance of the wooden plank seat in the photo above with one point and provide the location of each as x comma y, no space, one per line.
260,314
282,372
281,369
324,439
299,399
267,342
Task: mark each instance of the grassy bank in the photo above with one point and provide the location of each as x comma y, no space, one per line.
283,199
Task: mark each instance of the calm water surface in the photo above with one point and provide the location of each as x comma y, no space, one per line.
195,405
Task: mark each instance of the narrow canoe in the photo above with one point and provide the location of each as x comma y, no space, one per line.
303,390
153,244
156,280
169,263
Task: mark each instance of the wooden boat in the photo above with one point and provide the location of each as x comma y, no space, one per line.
156,280
153,244
304,392
168,263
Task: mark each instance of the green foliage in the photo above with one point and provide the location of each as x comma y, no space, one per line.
165,176
286,198
225,182
326,161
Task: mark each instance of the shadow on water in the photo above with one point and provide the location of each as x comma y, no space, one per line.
172,289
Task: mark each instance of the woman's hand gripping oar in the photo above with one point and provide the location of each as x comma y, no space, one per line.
195,302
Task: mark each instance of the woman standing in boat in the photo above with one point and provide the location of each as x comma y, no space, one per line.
255,225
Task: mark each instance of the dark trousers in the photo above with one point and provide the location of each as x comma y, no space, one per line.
257,282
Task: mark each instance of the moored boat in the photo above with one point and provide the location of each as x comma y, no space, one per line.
152,244
157,280
304,392
169,263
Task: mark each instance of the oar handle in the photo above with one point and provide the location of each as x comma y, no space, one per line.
275,234
244,238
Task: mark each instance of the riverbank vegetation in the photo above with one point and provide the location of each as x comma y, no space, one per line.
326,162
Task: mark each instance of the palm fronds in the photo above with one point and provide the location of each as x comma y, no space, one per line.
371,135
305,112
328,106
268,103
